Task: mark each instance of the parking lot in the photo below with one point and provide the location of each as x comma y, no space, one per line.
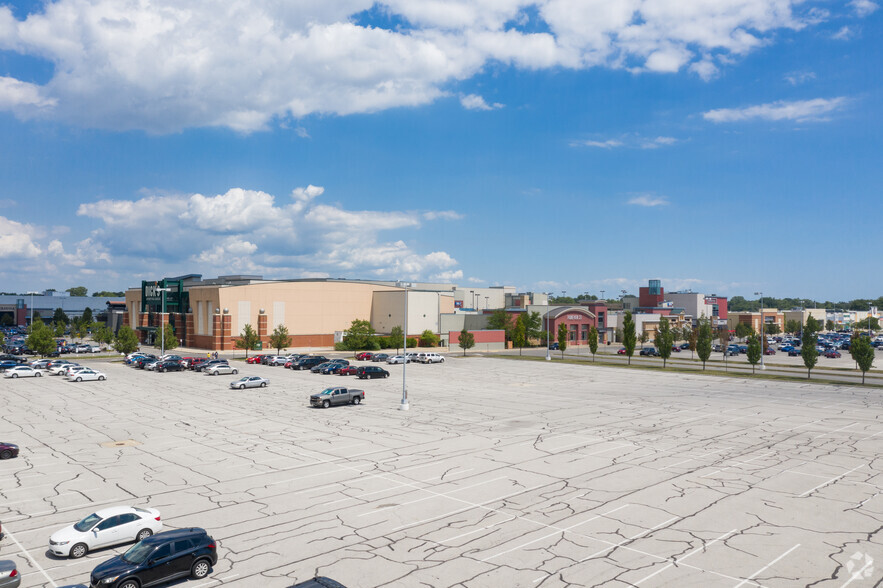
503,473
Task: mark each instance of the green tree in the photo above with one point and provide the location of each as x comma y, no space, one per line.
502,321
396,338
360,335
170,341
466,340
829,325
863,353
6,320
428,338
808,345
126,341
866,324
279,338
664,340
41,338
2,339
87,316
77,291
101,334
692,338
107,294
518,333
58,328
703,340
60,317
743,330
248,339
78,328
562,338
593,341
792,326
772,329
533,325
629,339
754,351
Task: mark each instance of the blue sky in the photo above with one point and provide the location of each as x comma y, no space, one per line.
563,145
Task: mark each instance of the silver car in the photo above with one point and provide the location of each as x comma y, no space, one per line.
249,382
221,368
9,576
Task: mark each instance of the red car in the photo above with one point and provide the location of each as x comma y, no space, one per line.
364,356
349,370
621,351
769,351
832,353
675,348
253,359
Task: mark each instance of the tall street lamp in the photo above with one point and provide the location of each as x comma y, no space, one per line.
32,306
762,334
404,405
548,327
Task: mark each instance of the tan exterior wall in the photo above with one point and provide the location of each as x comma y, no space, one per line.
423,311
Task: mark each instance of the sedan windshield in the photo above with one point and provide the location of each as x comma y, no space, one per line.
87,523
138,552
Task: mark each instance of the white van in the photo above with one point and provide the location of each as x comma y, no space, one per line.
430,358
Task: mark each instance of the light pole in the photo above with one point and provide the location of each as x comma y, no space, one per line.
869,320
762,334
602,294
32,306
404,405
162,315
548,327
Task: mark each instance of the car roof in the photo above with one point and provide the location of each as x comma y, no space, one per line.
175,534
112,511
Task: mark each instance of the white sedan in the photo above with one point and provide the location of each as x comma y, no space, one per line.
249,382
22,371
86,375
221,368
398,359
108,526
60,369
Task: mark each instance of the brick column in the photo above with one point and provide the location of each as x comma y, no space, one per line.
189,329
217,336
263,335
227,328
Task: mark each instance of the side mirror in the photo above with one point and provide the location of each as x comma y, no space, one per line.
151,562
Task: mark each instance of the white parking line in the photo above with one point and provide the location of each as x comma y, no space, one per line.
703,547
557,532
761,570
858,574
432,495
739,463
834,479
33,561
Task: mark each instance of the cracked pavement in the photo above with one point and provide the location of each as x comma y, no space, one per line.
502,474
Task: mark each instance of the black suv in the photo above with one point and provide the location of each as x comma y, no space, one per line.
309,362
371,371
160,558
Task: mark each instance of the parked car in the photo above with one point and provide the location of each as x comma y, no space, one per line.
793,352
620,351
161,558
554,345
337,395
5,365
365,356
277,360
249,382
103,528
379,357
220,368
209,363
430,357
769,351
649,351
832,353
395,359
371,371
8,450
348,370
309,362
319,582
170,365
40,364
9,576
685,345
675,348
22,371
333,367
253,359
87,374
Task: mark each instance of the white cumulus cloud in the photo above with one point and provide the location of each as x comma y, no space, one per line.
863,8
17,240
817,109
164,66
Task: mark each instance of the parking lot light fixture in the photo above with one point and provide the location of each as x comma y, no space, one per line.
762,333
404,405
162,315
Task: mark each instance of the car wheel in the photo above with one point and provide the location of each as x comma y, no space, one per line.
79,550
143,534
386,375
235,371
14,375
263,384
242,386
356,400
130,584
5,454
325,404
200,569
39,374
79,379
100,378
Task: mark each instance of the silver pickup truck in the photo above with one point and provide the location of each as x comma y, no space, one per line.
337,395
